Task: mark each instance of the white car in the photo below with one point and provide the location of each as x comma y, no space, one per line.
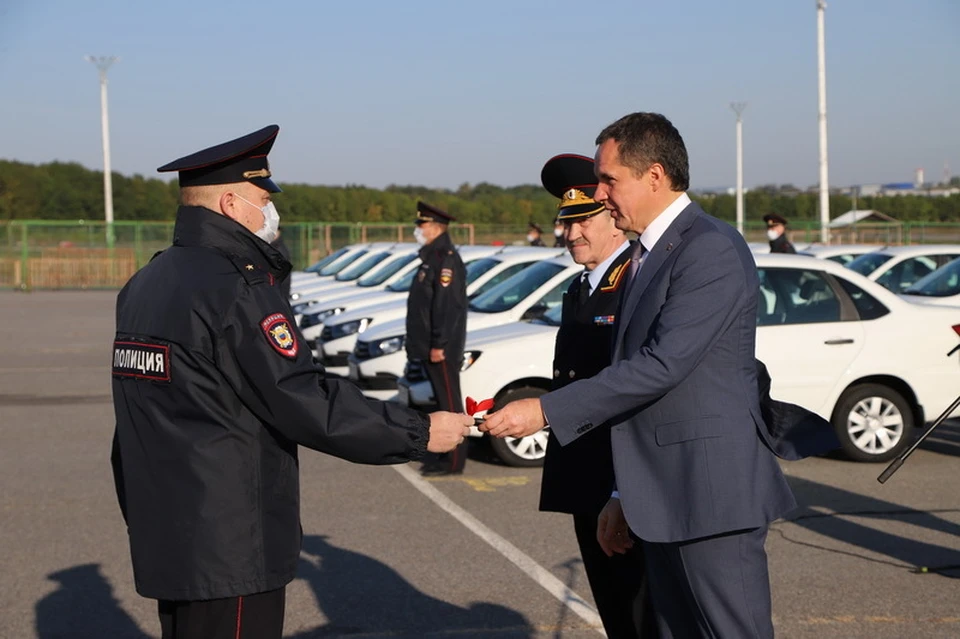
345,257
375,258
378,359
940,288
313,271
339,335
834,342
388,282
897,267
840,253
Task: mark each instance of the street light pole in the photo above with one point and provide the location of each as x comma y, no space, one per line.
103,63
738,108
822,85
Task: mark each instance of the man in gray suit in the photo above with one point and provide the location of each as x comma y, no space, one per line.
697,481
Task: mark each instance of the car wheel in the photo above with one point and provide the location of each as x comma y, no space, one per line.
873,422
524,451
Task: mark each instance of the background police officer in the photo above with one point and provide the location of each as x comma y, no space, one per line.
534,234
437,322
777,234
578,478
213,390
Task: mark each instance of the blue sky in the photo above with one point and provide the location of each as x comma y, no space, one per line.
442,92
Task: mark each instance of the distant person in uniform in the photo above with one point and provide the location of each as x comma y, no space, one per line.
558,241
777,234
213,391
534,233
437,323
582,350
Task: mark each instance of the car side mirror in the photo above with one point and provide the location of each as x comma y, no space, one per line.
534,312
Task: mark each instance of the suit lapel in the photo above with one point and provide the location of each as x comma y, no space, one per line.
652,262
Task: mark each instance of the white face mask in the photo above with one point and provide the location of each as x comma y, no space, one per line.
558,232
773,234
418,236
271,221
531,237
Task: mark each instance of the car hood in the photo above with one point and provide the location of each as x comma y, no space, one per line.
514,331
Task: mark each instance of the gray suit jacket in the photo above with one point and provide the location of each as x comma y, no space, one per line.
692,455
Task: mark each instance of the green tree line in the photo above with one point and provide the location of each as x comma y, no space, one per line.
69,191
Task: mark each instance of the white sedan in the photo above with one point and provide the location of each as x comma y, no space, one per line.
844,347
898,267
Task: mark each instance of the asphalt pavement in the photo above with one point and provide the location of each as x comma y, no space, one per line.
389,554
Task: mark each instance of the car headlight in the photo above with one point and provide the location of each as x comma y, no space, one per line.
386,346
349,328
295,296
469,359
298,309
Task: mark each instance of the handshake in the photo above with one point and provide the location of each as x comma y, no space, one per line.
521,418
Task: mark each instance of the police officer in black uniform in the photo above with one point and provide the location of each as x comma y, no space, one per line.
777,234
437,322
578,478
213,391
534,234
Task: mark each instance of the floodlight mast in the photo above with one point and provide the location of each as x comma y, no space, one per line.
103,64
738,108
822,86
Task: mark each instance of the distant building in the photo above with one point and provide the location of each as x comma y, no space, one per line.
861,217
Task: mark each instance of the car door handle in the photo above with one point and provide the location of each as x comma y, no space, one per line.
839,340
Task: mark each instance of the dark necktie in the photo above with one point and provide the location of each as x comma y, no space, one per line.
583,293
636,256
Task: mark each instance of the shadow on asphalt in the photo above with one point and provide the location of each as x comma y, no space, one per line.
945,439
904,552
358,594
83,606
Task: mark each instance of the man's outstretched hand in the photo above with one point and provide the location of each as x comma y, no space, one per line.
447,431
517,419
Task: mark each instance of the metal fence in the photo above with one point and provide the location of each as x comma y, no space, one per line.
44,254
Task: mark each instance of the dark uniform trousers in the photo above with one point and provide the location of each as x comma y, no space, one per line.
578,478
445,378
258,616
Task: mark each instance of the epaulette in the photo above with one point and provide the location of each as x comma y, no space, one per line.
615,277
252,273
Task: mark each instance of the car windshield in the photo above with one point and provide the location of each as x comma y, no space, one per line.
943,282
361,267
868,262
511,292
551,317
381,274
404,283
335,267
322,264
477,268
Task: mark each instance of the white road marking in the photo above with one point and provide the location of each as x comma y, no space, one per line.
517,557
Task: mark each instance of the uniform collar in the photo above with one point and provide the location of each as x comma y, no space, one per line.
441,243
199,226
597,274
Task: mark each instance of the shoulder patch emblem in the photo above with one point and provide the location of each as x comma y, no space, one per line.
141,360
446,276
276,328
613,281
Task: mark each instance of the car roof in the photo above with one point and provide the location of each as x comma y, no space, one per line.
820,250
919,249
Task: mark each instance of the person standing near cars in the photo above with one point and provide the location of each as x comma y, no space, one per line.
697,480
214,391
777,234
582,350
534,234
558,241
437,323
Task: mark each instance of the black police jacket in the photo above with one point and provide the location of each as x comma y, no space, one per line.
213,388
782,245
578,478
437,305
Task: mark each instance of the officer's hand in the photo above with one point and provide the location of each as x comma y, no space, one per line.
447,431
436,355
517,419
613,534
